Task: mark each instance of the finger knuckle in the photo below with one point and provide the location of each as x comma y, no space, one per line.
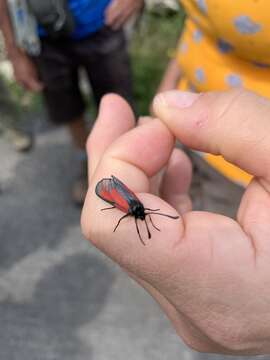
195,345
226,103
224,111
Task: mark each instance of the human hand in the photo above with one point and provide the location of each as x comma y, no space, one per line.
209,273
119,11
25,72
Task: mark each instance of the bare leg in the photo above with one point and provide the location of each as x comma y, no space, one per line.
136,222
79,132
120,221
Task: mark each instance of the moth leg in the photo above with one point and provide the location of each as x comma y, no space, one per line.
109,208
120,221
148,231
137,228
154,226
169,216
152,209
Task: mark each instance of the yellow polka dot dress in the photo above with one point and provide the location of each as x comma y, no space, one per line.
226,44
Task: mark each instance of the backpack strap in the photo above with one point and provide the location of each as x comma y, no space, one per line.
54,16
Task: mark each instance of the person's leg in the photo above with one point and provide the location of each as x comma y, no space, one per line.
79,132
64,102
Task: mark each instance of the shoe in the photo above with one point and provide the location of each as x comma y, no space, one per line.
20,140
80,186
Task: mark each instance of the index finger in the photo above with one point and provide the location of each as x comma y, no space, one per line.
234,124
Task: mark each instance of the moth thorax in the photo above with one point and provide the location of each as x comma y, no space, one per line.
137,209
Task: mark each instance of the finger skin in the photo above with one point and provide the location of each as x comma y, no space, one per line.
33,85
25,73
112,12
118,12
222,123
176,181
173,182
134,157
115,118
234,124
127,158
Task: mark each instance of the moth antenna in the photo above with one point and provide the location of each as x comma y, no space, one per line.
154,226
137,228
109,208
120,221
148,231
169,216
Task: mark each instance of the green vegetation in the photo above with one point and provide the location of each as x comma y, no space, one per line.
151,49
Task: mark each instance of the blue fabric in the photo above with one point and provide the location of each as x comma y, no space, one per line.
89,16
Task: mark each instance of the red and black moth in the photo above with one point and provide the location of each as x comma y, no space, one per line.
114,192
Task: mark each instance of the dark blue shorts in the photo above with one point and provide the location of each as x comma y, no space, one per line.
104,57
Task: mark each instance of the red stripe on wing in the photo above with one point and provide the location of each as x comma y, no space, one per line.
119,201
106,195
124,190
107,190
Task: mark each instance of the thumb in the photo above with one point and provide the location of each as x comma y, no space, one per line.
234,124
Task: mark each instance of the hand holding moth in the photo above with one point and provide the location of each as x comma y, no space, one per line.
209,273
107,147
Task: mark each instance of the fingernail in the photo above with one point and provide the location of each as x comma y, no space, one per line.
178,99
